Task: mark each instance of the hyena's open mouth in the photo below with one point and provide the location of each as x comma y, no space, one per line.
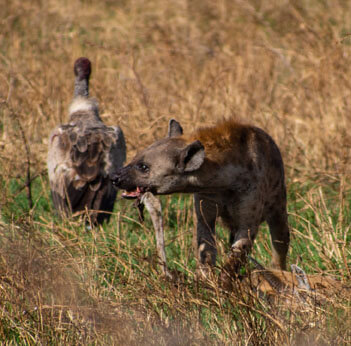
132,194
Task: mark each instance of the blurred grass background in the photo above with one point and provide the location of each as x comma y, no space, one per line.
281,65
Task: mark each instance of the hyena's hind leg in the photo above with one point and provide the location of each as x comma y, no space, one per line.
277,220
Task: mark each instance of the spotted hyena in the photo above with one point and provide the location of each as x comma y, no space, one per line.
235,172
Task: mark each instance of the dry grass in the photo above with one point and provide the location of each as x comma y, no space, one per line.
282,65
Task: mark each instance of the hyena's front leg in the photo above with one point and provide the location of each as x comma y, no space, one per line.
205,239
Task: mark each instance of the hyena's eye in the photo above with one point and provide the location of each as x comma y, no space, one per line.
142,167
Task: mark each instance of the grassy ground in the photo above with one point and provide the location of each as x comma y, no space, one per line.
283,66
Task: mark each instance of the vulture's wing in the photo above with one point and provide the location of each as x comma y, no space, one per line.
79,161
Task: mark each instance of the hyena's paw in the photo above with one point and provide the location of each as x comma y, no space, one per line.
236,259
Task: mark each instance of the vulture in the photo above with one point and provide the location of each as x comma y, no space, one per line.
81,155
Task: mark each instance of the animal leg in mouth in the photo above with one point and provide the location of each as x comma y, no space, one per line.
153,206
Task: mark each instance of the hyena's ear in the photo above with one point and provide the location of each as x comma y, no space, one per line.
191,157
174,129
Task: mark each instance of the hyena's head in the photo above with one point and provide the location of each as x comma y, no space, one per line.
167,166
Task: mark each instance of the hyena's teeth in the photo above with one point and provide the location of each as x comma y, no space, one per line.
133,194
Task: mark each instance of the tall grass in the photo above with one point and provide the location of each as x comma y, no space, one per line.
283,66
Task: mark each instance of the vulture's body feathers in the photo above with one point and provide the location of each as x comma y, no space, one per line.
82,153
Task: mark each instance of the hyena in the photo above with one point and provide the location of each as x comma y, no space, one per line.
235,172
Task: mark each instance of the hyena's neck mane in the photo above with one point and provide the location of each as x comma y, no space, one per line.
227,135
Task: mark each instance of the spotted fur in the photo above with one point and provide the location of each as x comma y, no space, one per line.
235,172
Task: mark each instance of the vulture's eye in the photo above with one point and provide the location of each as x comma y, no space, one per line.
142,167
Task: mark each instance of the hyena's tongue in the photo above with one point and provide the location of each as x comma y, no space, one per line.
132,194
137,195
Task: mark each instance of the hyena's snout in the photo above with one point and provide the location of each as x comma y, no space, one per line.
123,178
115,177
